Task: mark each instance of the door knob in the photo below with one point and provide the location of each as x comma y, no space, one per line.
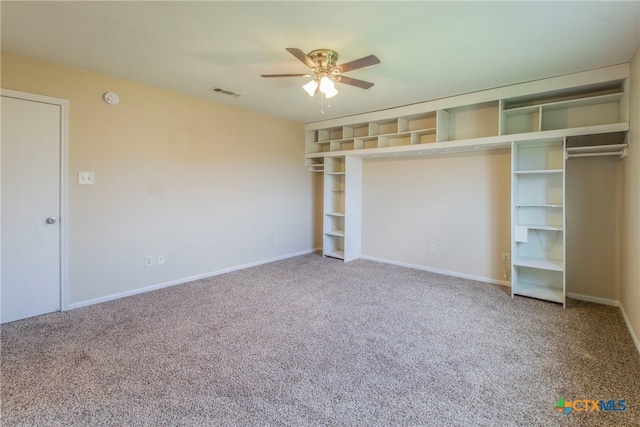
51,220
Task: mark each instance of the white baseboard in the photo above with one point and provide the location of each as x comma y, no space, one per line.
436,270
597,300
184,280
630,328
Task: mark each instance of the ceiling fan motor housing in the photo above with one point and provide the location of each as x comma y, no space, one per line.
325,59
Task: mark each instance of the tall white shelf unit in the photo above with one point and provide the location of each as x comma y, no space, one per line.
534,119
538,219
342,206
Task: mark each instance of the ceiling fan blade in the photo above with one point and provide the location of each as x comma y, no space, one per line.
302,57
285,75
359,63
354,82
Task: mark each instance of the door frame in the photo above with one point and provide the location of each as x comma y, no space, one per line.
63,183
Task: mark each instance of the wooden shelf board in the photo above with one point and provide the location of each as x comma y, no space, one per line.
518,111
582,102
539,172
395,135
335,254
541,264
429,131
337,233
537,205
334,213
542,227
546,293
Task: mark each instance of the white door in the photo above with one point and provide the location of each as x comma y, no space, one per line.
30,197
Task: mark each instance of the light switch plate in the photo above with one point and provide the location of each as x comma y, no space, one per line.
85,178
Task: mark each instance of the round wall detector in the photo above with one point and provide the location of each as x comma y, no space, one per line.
111,98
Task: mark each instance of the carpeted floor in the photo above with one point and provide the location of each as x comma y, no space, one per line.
310,341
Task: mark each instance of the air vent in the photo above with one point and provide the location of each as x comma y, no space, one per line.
224,91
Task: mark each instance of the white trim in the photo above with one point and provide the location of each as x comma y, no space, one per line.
64,183
184,280
635,339
597,300
435,270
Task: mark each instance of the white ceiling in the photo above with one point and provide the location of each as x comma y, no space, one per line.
428,50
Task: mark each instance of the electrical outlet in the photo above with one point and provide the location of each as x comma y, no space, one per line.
369,238
160,259
276,238
505,257
148,261
433,247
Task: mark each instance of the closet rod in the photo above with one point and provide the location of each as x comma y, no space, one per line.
598,150
616,153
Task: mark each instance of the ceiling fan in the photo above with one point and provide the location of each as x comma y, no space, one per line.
325,71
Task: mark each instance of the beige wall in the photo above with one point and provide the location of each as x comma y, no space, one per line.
460,203
592,206
630,280
206,184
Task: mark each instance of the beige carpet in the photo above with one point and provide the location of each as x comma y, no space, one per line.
310,341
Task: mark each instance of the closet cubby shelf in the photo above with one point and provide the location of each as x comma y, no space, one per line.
592,102
473,144
574,102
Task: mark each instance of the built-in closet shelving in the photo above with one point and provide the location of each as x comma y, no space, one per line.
334,209
533,119
538,219
341,222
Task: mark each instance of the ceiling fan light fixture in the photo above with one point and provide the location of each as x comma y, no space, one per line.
311,87
326,84
327,87
330,92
